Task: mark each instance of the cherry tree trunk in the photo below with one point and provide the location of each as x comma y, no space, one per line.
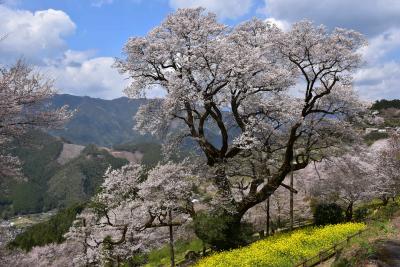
171,239
349,212
385,200
291,202
268,216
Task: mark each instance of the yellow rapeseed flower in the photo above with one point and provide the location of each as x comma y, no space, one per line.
283,249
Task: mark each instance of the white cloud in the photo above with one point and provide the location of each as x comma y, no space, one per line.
223,8
39,37
100,3
33,35
379,81
78,74
156,91
380,76
282,24
370,17
72,57
381,45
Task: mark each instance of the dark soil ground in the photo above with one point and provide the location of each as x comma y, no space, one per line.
387,253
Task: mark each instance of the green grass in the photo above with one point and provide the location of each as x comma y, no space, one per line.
161,257
379,226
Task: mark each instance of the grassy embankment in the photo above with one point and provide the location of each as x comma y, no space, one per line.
380,227
161,257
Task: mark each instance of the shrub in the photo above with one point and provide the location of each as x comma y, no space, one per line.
328,214
342,263
360,214
221,231
138,259
162,257
285,249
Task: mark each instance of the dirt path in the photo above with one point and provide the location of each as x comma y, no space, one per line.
327,263
388,251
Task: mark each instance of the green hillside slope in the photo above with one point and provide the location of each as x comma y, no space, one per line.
101,122
49,184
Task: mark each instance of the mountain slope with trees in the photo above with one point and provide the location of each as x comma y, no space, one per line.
47,183
389,110
385,104
98,121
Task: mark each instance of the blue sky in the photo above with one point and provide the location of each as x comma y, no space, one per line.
105,28
106,25
75,41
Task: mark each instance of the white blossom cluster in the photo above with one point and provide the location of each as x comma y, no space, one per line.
130,211
362,174
247,95
388,167
23,95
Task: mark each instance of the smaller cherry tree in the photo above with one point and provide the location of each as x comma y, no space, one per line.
131,207
388,166
23,95
347,179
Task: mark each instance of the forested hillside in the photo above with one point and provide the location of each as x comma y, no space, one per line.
47,183
50,181
38,153
385,104
389,110
98,121
50,231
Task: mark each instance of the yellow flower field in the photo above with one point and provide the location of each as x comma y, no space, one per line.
283,249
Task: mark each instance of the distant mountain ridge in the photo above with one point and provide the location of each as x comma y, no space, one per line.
110,123
101,122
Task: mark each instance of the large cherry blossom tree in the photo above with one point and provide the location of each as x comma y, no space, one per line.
286,95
